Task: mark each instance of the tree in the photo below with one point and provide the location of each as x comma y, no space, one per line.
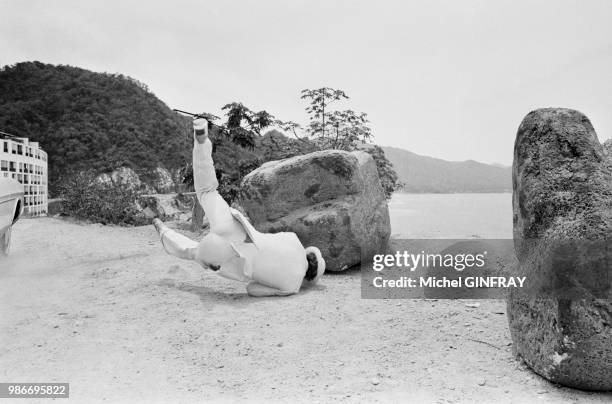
349,129
334,129
320,99
289,126
243,124
345,130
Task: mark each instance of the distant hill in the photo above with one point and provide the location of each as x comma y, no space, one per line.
422,174
91,120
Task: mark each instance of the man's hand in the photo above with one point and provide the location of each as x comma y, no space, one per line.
200,129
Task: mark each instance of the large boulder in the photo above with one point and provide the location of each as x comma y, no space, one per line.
562,205
331,199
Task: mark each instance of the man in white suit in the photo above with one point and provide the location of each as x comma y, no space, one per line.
271,264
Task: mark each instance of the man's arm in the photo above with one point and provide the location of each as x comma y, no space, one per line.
258,290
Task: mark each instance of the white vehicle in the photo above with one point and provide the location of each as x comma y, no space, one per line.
11,208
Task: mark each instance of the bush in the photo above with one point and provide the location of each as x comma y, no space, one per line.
87,198
388,177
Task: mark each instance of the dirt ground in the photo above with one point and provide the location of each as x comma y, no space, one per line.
105,309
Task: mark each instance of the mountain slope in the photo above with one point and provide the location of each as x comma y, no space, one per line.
432,175
88,120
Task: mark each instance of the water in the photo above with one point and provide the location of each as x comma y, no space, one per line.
451,215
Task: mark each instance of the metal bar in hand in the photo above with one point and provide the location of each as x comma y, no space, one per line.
220,129
191,113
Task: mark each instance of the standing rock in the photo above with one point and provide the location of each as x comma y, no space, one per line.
562,183
331,199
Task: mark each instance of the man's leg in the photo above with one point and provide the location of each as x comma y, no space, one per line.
175,243
205,182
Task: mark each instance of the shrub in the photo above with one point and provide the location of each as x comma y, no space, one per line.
388,177
86,197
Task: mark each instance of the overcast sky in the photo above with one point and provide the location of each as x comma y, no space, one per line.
449,79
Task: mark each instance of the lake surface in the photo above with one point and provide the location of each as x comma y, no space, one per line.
451,215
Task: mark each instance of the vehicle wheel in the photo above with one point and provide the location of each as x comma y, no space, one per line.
5,243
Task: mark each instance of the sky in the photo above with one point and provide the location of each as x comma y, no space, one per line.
449,79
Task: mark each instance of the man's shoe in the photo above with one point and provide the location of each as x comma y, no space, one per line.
200,130
159,226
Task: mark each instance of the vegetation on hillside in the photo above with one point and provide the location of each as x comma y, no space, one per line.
86,120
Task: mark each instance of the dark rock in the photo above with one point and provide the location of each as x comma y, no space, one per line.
562,183
331,199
